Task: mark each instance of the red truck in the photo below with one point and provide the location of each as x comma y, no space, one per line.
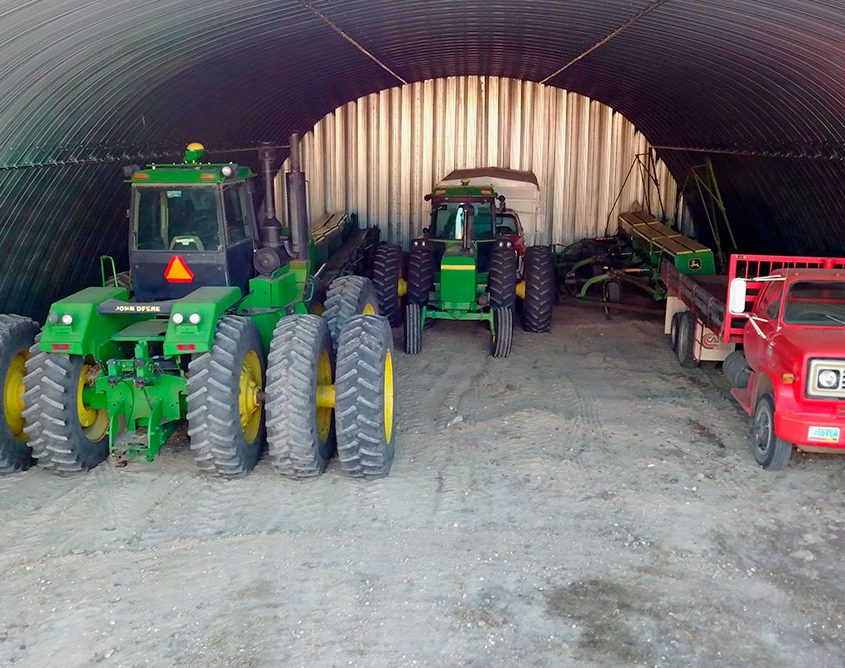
778,325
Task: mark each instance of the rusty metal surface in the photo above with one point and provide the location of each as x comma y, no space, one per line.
83,83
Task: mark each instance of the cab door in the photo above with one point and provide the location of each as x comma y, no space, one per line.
239,224
766,312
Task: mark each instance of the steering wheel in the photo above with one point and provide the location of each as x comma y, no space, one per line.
183,242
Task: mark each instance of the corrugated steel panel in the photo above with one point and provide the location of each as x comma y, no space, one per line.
380,154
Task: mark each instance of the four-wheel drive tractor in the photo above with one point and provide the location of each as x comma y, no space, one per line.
216,333
465,267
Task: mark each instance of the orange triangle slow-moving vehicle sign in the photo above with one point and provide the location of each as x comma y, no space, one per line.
177,271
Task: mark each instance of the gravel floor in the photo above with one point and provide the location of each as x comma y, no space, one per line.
585,502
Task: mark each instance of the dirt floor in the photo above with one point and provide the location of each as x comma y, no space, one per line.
585,502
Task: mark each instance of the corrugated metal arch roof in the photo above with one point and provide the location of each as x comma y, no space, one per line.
86,85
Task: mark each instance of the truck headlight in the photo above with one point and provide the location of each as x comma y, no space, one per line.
828,379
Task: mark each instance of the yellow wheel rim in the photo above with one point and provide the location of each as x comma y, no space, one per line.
13,395
249,404
324,384
388,397
369,309
94,422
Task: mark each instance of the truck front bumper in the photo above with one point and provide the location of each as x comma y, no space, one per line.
822,429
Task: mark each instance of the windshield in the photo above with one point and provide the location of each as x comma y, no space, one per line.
816,303
177,218
448,221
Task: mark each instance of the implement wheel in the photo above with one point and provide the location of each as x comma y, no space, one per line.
364,406
686,340
420,275
349,296
17,335
502,337
65,433
413,329
539,289
770,451
387,276
501,281
226,400
300,397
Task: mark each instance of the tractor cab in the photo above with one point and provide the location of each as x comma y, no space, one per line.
192,225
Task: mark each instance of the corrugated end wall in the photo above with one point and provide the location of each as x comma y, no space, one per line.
379,155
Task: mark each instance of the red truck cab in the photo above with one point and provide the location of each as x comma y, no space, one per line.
790,373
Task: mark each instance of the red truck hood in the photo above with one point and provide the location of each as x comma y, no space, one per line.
810,342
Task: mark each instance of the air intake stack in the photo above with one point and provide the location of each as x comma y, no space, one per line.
272,253
297,204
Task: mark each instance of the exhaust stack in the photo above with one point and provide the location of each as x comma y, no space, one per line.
297,204
273,252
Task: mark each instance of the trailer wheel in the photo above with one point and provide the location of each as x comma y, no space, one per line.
413,329
539,289
501,280
770,451
225,400
364,388
613,292
65,433
502,337
420,275
673,332
387,273
17,334
686,340
300,434
349,296
736,369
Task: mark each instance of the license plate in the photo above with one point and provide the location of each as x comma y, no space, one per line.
824,434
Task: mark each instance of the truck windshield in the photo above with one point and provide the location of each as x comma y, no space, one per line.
816,303
447,221
177,218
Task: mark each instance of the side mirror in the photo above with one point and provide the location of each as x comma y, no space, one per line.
737,293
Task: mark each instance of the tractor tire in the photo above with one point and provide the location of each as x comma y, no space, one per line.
770,451
673,331
686,340
17,334
502,338
348,296
300,435
736,370
225,411
364,391
420,275
613,292
64,434
413,329
539,289
387,271
501,281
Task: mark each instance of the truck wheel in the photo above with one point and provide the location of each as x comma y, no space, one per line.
300,435
364,390
736,369
673,331
613,292
225,400
17,334
413,329
348,296
770,451
539,289
502,337
501,281
65,433
686,340
420,275
387,272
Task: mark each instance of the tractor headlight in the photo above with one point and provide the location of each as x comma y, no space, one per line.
53,318
828,379
227,171
178,318
194,318
67,319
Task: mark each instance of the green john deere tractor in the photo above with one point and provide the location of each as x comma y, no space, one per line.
216,331
468,265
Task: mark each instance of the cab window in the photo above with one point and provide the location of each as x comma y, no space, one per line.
237,216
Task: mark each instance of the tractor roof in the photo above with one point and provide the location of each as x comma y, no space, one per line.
188,173
441,190
493,173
